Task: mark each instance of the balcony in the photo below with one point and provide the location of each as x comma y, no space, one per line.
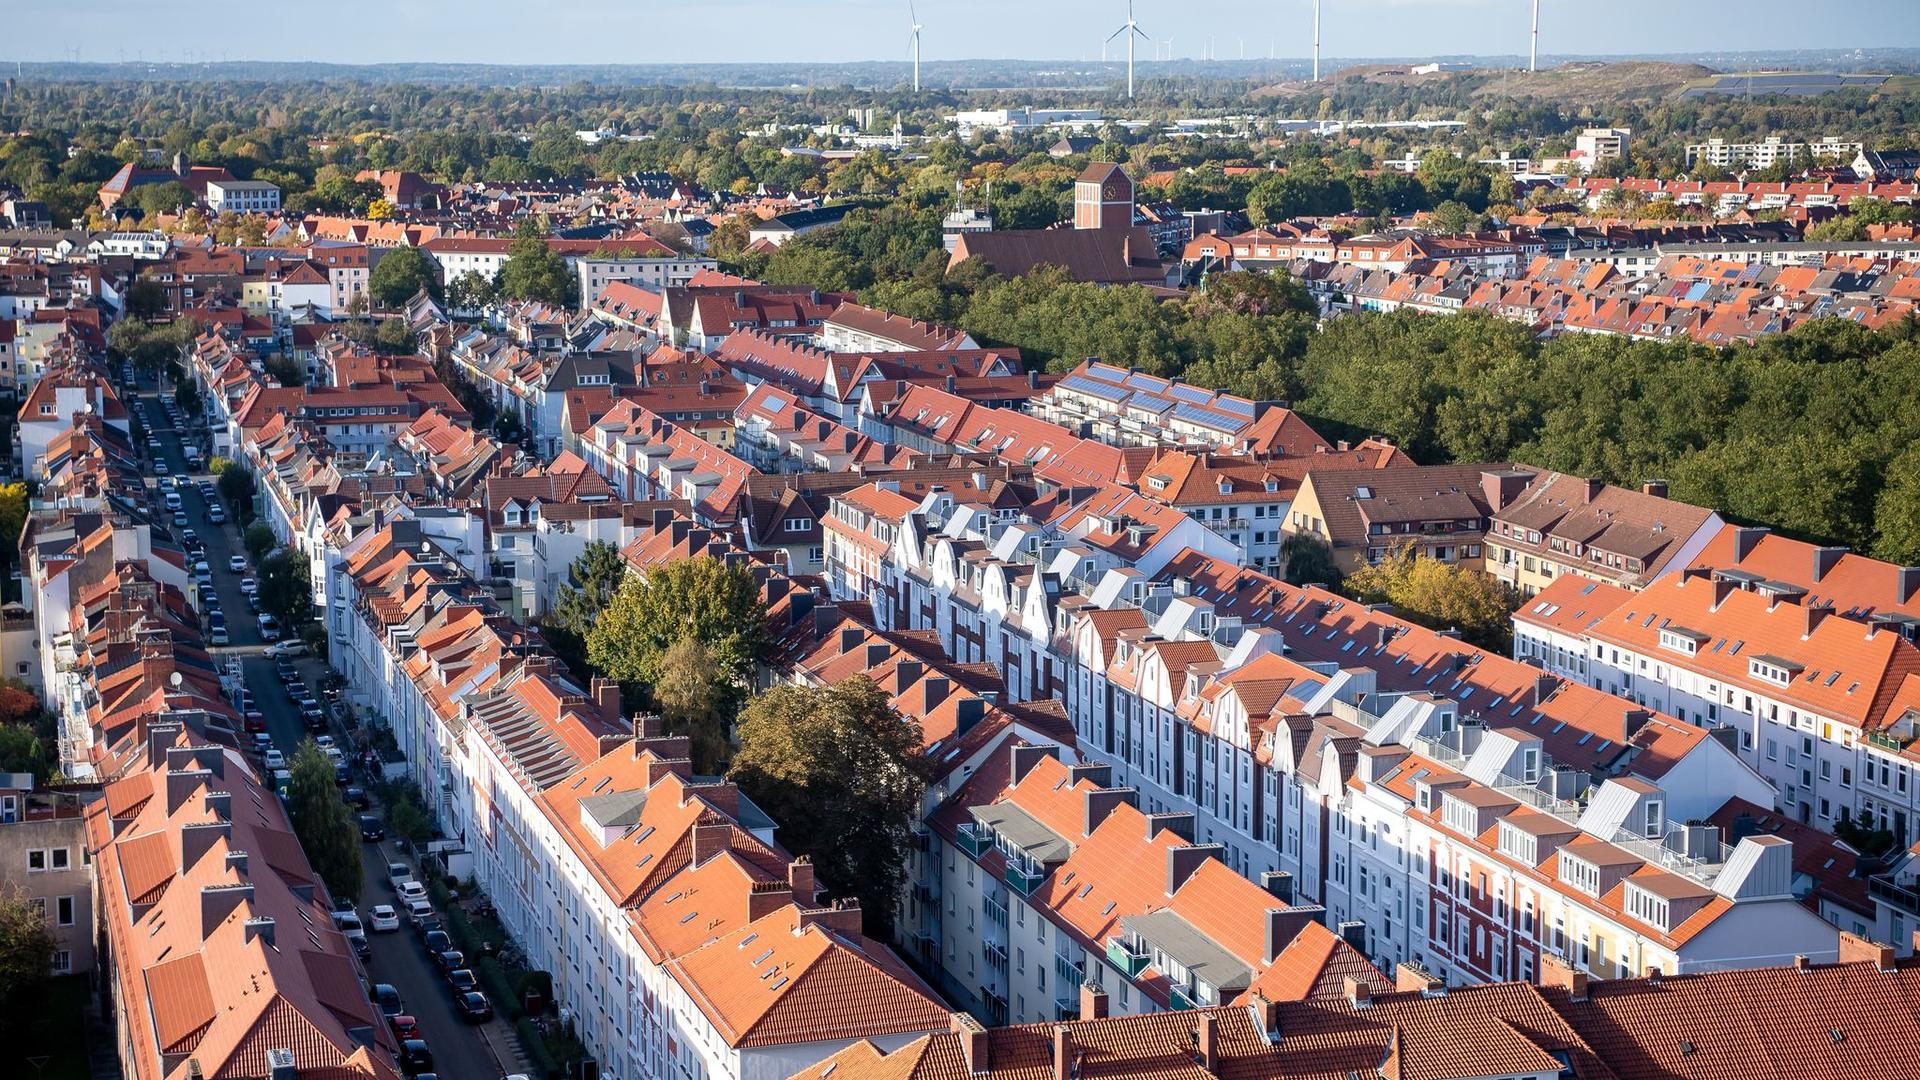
1023,880
1130,961
1067,972
996,957
1181,998
974,841
1886,740
1886,891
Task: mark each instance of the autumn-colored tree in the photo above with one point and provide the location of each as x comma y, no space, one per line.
1439,594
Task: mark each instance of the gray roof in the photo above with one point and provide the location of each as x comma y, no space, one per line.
1191,949
1024,832
615,809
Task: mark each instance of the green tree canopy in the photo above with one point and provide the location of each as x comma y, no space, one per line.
1439,594
400,273
702,599
534,271
323,822
843,774
26,960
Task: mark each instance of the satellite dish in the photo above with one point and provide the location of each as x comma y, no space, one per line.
175,680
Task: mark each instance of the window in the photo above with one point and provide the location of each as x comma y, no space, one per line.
62,962
36,861
63,911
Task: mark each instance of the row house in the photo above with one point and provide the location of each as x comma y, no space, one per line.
1561,525
1441,511
540,521
1052,879
1124,407
52,405
702,316
775,433
833,381
1779,1023
856,328
646,458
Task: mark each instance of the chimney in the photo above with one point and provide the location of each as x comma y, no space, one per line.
952,384
220,804
1632,722
1093,1001
1285,924
606,695
973,1043
842,918
711,839
1099,802
1025,756
1557,972
1181,824
159,737
1411,976
1354,933
1801,962
909,671
850,638
1591,489
1815,614
281,1065
1266,1014
1062,1050
1033,380
1543,687
1855,949
1279,884
262,928
662,517
1359,992
237,862
1824,560
970,710
660,768
1906,583
1655,488
800,880
219,901
1210,1043
1183,860
766,897
933,691
198,838
1722,588
1502,487
1744,540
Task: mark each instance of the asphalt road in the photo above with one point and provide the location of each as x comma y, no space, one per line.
460,1050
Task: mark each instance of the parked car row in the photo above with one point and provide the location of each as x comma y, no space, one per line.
469,1001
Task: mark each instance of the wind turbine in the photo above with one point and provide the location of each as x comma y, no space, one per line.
1131,29
916,45
1533,47
1316,40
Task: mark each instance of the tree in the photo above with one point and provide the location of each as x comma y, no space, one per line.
704,599
258,540
407,816
843,774
593,578
534,271
322,821
13,520
1308,561
286,586
1896,513
400,273
695,702
286,370
470,291
393,337
26,960
218,465
22,750
1439,594
236,487
145,299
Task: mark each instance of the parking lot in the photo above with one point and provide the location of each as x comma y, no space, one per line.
396,958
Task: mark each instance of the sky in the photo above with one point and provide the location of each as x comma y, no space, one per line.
639,31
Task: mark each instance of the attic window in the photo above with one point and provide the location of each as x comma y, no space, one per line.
1361,492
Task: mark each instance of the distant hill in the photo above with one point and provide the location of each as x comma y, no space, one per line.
1576,82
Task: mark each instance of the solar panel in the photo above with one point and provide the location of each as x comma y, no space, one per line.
1236,406
1191,394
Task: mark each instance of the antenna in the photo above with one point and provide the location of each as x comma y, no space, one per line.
1533,46
1132,30
916,45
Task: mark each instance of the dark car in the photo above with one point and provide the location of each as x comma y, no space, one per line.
341,774
385,996
371,828
357,798
295,691
342,903
362,949
415,1058
404,1027
450,960
474,1007
462,980
437,941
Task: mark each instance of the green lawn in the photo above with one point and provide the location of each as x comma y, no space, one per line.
59,1035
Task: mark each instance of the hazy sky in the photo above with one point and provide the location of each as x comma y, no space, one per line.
637,31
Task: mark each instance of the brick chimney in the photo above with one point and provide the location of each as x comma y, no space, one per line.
850,638
1855,949
800,880
1655,488
1745,538
1063,1051
1279,884
1815,614
974,1043
1093,1001
1359,992
1557,972
1180,823
1267,1015
1025,756
660,768
1410,976
1590,489
1099,802
711,839
606,695
1209,1040
842,918
1285,924
766,897
1182,861
933,691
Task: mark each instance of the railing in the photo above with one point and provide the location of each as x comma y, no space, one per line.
973,841
996,956
1181,998
1067,972
1884,890
1888,741
996,912
1022,880
1703,868
1123,956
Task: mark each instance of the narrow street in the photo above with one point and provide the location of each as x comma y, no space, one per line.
459,1049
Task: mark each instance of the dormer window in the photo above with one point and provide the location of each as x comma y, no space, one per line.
1580,874
1773,669
1681,640
799,524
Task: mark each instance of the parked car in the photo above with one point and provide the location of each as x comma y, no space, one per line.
415,1058
357,798
418,913
437,942
449,960
383,918
404,1027
349,925
371,828
255,721
273,758
217,514
411,891
269,628
282,648
217,634
237,563
474,1007
463,980
398,872
385,996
